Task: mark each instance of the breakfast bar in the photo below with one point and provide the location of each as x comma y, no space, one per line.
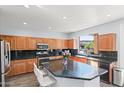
74,74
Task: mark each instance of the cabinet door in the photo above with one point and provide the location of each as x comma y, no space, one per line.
65,44
110,38
39,40
83,60
107,42
45,40
11,40
96,43
21,43
52,44
103,44
31,43
30,65
19,67
58,44
70,43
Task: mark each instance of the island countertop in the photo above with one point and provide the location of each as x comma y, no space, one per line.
75,70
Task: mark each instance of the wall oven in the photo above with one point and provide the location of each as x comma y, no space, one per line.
41,46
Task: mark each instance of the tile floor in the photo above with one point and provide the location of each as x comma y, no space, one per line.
29,80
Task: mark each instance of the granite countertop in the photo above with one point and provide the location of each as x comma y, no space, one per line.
98,59
74,70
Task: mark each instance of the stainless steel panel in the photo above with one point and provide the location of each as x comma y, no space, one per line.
5,60
118,76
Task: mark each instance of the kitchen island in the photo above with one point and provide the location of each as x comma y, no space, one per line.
74,74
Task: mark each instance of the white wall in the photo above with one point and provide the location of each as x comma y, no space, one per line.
121,47
18,32
112,27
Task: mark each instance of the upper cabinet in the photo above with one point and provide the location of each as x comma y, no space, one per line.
96,43
71,44
39,40
21,43
59,44
107,42
31,43
65,43
10,39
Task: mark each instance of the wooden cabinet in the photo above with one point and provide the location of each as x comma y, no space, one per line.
71,44
21,43
52,44
107,42
22,66
96,43
45,40
58,44
10,39
39,40
77,59
31,43
19,67
30,65
65,44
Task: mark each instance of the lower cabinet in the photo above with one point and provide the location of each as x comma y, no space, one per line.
77,59
29,65
21,66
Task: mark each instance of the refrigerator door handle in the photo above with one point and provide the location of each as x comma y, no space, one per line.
9,57
8,71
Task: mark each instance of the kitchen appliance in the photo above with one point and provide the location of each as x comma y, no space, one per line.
42,60
4,61
41,46
105,77
107,58
118,76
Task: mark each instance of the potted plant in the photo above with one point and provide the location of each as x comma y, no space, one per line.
66,55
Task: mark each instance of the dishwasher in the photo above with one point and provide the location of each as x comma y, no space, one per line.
118,76
43,60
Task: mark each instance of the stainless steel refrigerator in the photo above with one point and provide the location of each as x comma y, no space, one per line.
4,61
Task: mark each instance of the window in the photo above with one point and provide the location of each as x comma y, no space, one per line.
86,44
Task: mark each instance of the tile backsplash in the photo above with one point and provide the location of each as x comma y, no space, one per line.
108,54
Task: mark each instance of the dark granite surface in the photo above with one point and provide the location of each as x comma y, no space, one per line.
98,59
74,70
28,54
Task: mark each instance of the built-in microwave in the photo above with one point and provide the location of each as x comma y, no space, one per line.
41,46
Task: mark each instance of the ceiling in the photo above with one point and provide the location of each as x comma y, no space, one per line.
57,18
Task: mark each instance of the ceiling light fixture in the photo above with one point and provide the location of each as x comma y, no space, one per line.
26,6
108,15
24,23
64,17
50,27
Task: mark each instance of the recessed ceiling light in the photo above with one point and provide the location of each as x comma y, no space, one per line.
50,27
26,6
108,15
24,23
64,17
